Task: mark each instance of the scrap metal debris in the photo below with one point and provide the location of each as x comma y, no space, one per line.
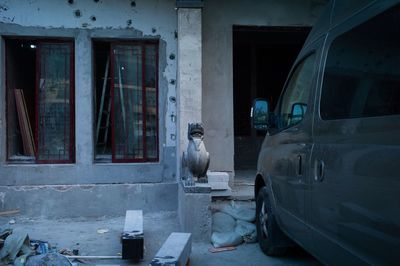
17,249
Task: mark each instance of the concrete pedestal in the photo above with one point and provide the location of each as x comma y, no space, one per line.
195,212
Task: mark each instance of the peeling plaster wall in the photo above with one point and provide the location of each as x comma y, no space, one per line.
82,21
218,19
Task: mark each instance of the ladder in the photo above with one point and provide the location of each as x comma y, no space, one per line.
104,113
107,113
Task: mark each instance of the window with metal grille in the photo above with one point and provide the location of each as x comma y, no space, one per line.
126,101
40,101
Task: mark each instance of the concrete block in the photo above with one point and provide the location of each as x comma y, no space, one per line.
217,176
195,214
175,250
221,193
132,237
219,182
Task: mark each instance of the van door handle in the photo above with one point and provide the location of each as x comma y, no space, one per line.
319,169
300,167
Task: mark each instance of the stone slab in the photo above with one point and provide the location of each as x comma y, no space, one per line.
132,236
175,250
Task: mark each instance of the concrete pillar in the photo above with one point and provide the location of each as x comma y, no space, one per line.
83,99
189,92
3,132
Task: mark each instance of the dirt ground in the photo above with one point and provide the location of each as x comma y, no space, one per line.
82,234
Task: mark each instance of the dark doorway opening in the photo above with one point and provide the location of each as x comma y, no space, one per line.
262,58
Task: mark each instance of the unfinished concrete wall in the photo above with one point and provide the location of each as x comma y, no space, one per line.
83,21
189,74
218,19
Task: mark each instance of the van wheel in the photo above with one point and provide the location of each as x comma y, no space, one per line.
268,233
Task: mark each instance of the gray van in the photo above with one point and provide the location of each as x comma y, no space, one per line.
328,174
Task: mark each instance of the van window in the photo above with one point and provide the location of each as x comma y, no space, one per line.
362,73
295,98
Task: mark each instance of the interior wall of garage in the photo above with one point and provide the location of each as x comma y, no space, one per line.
219,17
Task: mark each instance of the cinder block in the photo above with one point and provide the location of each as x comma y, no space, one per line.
217,176
175,250
218,181
132,237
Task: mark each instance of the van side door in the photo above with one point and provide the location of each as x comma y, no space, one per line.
355,191
287,150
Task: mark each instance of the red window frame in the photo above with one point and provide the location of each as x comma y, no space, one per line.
71,147
142,44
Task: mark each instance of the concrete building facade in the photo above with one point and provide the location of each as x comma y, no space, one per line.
186,46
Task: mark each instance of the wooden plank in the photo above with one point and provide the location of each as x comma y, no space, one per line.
9,212
24,123
215,250
132,237
31,141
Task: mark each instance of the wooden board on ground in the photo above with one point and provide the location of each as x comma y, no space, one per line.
215,250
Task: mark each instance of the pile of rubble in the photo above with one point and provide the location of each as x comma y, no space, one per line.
17,249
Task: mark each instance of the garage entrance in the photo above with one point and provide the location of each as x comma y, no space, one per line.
262,58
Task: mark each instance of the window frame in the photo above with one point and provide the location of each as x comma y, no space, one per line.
35,126
142,44
339,30
71,98
284,91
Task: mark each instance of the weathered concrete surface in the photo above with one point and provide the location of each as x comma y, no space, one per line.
175,250
132,236
189,74
88,200
218,20
127,20
195,214
82,234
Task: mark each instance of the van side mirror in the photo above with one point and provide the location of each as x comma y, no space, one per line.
260,114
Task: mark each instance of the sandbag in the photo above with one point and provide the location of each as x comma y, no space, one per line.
247,230
222,223
239,213
226,239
